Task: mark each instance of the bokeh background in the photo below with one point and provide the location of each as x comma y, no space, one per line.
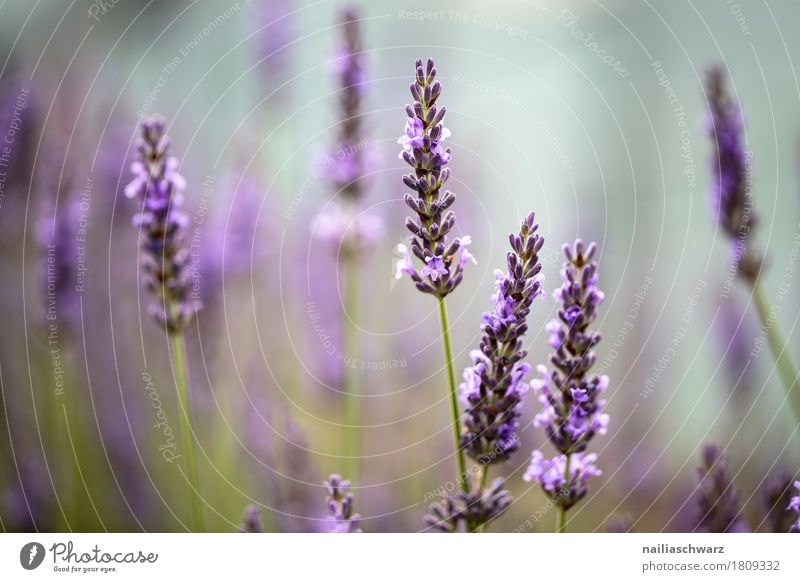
590,113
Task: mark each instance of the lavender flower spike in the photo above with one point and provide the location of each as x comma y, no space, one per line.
424,150
777,498
465,511
794,505
495,383
570,396
251,522
717,500
165,263
340,506
730,195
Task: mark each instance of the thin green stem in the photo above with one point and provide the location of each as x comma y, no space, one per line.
451,379
352,376
561,512
778,347
484,527
187,435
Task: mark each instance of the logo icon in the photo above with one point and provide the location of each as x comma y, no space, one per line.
31,555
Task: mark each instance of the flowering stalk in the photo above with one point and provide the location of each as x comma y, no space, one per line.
345,226
569,394
732,204
443,262
165,265
777,498
340,506
717,500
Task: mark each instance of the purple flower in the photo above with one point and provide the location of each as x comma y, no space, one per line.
251,522
794,505
165,263
348,159
570,396
495,383
463,511
549,473
718,509
340,506
443,262
731,196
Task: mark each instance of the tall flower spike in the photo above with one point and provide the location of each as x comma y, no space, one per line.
495,383
570,395
165,263
730,195
464,511
340,506
424,150
349,160
718,509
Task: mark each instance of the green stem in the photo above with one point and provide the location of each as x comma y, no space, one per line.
484,527
352,415
451,379
187,436
561,513
778,347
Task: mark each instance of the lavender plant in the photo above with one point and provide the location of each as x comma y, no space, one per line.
340,506
159,189
469,511
732,203
345,225
718,509
251,521
570,395
442,261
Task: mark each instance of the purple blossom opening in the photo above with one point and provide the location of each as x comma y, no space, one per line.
159,188
340,506
423,150
569,394
495,383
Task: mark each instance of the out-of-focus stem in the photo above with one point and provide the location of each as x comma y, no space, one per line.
187,436
451,379
778,347
561,513
352,390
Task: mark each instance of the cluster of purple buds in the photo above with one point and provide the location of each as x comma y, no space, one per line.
251,522
570,396
794,505
348,161
424,150
340,506
718,509
730,195
165,263
464,512
495,383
